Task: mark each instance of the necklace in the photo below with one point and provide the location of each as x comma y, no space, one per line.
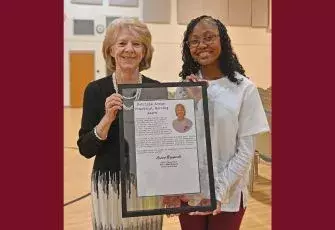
135,97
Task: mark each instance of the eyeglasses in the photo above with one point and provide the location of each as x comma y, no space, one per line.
208,40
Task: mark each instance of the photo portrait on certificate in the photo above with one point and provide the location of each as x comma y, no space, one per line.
181,124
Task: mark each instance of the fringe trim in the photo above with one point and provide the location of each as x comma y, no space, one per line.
150,224
106,204
110,180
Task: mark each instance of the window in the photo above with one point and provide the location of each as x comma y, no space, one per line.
83,27
87,2
109,20
123,2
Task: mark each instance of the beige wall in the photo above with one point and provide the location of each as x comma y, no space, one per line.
263,143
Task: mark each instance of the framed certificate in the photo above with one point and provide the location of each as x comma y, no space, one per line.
166,161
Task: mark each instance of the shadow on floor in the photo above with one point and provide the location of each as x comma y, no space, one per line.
262,190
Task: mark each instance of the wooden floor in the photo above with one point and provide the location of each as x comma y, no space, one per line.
77,170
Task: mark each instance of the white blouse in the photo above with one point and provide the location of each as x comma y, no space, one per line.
236,114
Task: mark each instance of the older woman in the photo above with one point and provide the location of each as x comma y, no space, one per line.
127,50
181,124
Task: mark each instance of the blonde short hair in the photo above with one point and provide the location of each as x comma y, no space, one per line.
139,29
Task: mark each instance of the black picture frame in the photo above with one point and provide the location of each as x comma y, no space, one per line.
182,209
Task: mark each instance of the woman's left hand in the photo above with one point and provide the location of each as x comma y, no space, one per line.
194,92
206,202
171,201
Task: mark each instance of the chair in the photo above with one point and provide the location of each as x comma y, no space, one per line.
253,173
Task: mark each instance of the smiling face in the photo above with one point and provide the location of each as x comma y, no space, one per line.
204,43
128,50
180,112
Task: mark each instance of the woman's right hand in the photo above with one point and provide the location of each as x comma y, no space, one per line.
113,104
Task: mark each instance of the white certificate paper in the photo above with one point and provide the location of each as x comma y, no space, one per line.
166,148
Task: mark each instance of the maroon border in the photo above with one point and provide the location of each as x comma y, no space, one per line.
32,115
303,121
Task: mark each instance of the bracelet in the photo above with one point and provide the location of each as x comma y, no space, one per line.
96,134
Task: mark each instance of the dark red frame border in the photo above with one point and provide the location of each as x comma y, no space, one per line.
32,115
302,115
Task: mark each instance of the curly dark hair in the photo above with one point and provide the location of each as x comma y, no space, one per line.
229,62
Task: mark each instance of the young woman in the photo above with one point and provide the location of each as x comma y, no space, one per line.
236,116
